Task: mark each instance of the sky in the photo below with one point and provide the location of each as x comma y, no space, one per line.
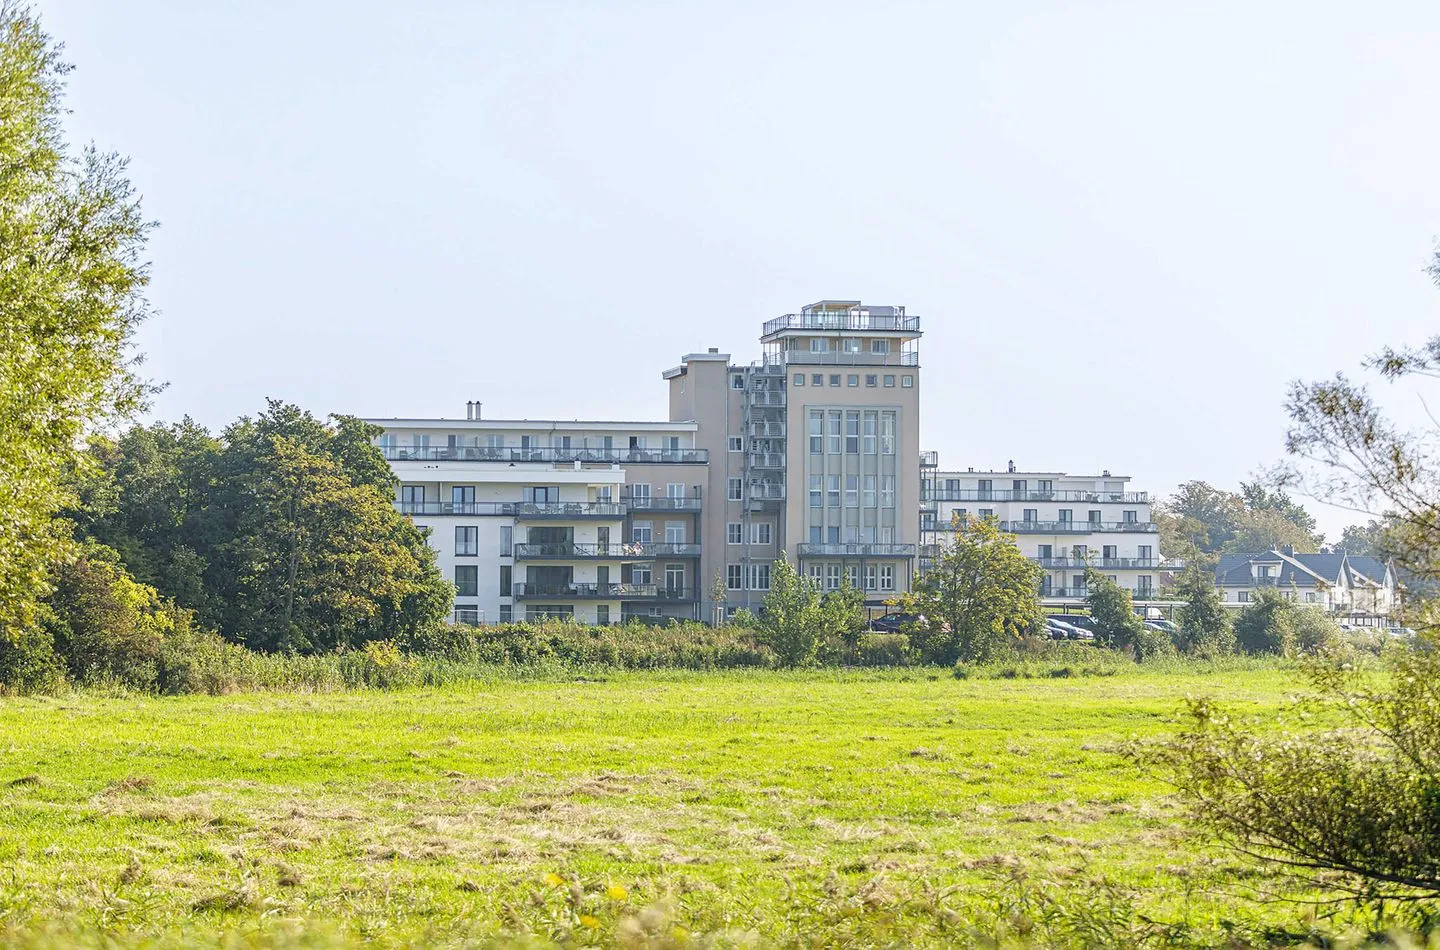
1126,226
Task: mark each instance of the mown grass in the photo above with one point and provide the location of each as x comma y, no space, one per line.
839,808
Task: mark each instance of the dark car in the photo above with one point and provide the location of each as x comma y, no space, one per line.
891,623
1083,621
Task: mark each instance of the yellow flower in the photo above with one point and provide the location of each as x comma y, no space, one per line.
616,893
589,921
553,879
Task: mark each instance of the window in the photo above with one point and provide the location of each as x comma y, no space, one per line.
734,489
674,490
467,580
907,381
852,491
1244,597
879,346
1145,552
832,534
734,577
506,576
734,533
737,381
675,577
799,379
462,497
817,379
871,424
852,379
1032,514
889,381
674,532
871,380
1128,517
1094,516
602,614
640,532
870,576
887,491
851,345
816,431
887,433
852,432
1309,597
832,576
412,498
987,512
832,491
759,576
1109,552
507,611
817,490
541,494
506,533
1066,515
640,574
1044,485
868,491
652,611
760,532
736,444
640,492
834,379
819,344
467,541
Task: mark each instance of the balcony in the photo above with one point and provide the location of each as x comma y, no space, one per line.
766,430
658,592
929,459
546,454
568,551
568,510
976,494
1081,593
765,491
565,592
1104,563
855,550
836,358
766,397
774,461
1077,527
474,508
843,320
689,502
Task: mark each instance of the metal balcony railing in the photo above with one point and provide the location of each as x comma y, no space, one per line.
834,358
1101,563
1077,527
565,551
569,509
841,320
659,592
767,460
544,454
766,430
974,494
765,491
456,508
855,550
1081,593
689,502
766,397
929,459
586,591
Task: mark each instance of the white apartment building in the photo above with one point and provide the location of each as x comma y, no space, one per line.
1062,522
809,451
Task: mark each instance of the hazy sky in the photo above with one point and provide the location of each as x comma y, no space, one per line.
1125,225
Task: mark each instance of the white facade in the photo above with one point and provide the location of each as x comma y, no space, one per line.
1357,589
1062,522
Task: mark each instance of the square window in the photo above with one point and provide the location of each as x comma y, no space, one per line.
654,611
817,379
907,381
879,346
871,380
760,532
737,381
734,533
834,379
737,443
799,379
852,379
889,381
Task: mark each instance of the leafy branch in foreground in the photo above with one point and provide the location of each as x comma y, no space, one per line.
1355,808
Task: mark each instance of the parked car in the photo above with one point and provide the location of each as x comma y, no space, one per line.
891,623
1060,630
1163,625
1082,621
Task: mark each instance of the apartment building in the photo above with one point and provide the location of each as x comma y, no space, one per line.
1062,522
1359,590
810,450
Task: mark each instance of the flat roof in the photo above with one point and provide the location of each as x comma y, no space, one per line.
1019,474
442,423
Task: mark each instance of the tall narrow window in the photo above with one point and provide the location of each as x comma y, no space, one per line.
817,488
852,432
816,431
506,534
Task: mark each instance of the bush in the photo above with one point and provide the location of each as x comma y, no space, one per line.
28,663
1316,633
883,649
1267,625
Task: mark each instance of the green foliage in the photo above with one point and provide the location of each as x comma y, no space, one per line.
1315,633
1357,801
1116,623
977,600
1205,625
1200,520
282,534
843,613
882,649
71,282
28,663
793,620
1267,624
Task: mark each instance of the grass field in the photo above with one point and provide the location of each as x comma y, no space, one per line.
657,809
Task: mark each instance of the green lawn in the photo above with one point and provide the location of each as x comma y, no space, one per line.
856,808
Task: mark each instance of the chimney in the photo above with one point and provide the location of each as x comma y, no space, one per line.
469,410
1012,466
1288,550
477,410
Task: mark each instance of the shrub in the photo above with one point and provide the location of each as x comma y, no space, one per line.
1266,626
28,663
1316,633
883,649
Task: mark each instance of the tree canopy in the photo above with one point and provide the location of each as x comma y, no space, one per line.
1200,521
71,296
